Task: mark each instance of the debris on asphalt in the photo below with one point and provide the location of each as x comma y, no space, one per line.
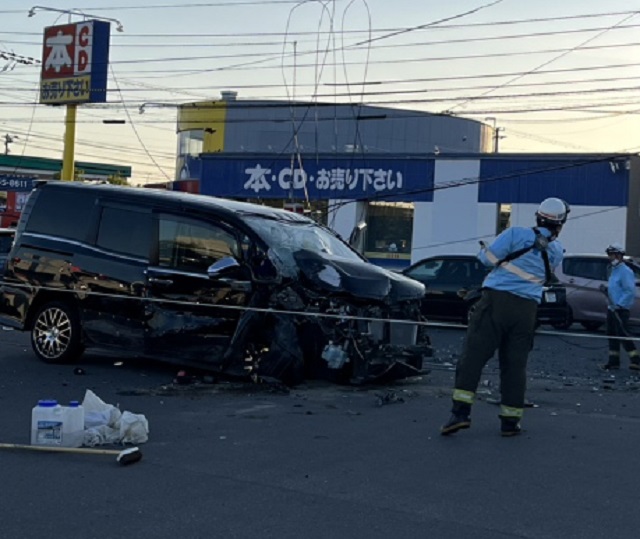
389,397
527,403
183,379
106,424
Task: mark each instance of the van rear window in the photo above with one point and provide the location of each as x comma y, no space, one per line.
62,212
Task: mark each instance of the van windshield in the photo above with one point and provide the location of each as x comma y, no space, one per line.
296,235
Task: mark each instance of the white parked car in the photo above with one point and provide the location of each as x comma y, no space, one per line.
583,275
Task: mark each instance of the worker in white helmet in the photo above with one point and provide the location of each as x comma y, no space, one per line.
504,318
621,292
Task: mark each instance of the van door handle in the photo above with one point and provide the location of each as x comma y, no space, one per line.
160,282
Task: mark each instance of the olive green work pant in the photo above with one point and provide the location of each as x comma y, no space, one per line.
618,326
504,322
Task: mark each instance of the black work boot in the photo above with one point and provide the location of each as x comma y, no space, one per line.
460,419
510,426
610,366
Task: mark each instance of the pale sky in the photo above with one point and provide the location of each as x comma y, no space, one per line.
588,67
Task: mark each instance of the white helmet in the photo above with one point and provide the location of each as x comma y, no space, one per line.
615,249
552,212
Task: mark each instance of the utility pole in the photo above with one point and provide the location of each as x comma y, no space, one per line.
496,138
496,133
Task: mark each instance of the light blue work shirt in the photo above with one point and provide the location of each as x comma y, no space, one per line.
622,287
525,275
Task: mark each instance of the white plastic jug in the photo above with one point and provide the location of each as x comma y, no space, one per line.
73,425
47,419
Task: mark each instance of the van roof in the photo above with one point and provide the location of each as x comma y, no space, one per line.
203,202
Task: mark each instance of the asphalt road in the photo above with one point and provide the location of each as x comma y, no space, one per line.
240,461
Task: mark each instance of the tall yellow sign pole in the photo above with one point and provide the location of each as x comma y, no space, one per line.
69,144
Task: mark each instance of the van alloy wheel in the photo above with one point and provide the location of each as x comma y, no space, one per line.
591,326
566,323
55,334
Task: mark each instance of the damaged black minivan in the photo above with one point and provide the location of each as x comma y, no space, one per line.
230,287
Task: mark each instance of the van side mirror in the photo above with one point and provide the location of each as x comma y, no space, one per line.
356,234
222,267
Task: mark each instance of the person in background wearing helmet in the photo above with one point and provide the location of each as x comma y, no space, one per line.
504,318
621,290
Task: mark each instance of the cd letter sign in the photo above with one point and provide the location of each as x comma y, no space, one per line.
75,60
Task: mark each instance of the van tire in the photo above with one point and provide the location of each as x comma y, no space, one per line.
591,326
566,323
56,333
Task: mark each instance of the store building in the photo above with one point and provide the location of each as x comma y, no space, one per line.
424,184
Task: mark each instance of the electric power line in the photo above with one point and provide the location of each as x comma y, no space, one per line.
579,46
491,24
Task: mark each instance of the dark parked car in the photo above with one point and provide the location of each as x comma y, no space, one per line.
235,288
6,240
453,285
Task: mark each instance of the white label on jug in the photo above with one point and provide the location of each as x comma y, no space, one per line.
49,432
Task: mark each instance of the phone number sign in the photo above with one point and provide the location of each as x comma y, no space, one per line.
15,183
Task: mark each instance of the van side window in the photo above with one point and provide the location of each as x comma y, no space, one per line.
191,246
62,212
124,231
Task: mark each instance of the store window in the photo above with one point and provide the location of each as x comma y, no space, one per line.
389,229
504,217
190,143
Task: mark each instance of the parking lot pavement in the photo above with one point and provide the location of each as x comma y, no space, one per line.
236,460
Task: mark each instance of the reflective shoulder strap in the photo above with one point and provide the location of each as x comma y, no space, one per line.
518,253
548,274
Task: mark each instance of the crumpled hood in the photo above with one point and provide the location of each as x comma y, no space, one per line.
358,279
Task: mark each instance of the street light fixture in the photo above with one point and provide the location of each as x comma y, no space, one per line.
76,12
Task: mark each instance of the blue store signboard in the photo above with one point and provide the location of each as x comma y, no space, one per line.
351,177
587,182
17,183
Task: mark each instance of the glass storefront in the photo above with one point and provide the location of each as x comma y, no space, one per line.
504,217
389,232
190,145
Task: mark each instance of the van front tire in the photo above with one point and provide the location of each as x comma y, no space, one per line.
56,334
